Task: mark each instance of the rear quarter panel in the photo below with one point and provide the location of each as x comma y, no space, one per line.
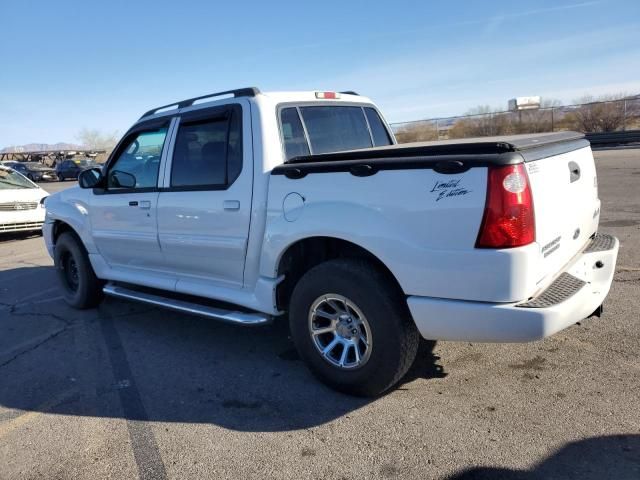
421,224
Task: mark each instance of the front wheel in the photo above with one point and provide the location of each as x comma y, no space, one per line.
80,287
352,327
60,177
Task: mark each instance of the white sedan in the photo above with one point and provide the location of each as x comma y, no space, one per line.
21,202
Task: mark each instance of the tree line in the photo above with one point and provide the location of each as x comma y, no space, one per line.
589,114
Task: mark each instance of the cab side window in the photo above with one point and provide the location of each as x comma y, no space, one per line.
208,152
138,163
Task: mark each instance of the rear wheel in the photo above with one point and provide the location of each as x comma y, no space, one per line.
61,177
80,286
352,327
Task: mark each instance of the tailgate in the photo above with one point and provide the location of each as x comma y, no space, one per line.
567,208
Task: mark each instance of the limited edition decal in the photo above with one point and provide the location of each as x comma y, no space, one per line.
450,188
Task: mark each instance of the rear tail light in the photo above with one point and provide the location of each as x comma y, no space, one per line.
509,219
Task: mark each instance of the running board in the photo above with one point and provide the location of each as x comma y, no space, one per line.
230,316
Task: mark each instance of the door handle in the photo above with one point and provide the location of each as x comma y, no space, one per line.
231,205
133,204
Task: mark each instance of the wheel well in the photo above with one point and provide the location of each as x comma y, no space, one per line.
59,227
305,254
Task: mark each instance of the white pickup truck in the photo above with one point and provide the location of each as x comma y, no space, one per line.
245,206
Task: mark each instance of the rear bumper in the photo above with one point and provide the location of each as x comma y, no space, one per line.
561,305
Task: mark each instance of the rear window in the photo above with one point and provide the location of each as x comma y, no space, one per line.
378,130
295,143
330,129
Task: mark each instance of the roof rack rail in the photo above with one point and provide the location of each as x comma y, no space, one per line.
239,92
350,92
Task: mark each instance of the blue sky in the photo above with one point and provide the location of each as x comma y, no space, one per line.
68,65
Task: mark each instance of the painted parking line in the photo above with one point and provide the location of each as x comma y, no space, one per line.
16,422
622,268
29,271
38,294
39,302
143,443
25,300
18,350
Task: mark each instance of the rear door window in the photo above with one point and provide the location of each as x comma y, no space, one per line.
208,152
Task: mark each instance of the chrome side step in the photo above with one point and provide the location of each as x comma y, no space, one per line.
230,316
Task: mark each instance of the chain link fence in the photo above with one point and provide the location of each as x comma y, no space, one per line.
603,116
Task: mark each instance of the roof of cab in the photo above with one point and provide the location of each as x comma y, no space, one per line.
310,96
296,96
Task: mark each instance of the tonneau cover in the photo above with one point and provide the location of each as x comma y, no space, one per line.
566,141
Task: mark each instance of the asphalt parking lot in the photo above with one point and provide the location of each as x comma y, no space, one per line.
127,391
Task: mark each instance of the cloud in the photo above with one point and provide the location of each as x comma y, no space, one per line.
494,22
452,79
491,24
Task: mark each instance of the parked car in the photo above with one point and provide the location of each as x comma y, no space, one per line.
72,168
21,202
244,200
34,171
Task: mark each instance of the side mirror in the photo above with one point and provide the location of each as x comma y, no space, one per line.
120,179
90,178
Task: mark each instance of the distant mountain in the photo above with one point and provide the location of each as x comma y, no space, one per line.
32,147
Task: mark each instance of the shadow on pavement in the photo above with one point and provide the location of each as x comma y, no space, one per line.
8,237
126,360
611,457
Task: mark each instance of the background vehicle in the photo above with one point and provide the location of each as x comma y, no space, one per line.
244,200
72,168
34,171
21,202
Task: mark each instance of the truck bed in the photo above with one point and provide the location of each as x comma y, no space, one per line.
403,191
446,156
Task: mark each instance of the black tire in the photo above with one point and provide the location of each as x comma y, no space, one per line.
394,337
80,287
30,177
60,177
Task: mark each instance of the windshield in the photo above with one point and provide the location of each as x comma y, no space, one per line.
10,180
